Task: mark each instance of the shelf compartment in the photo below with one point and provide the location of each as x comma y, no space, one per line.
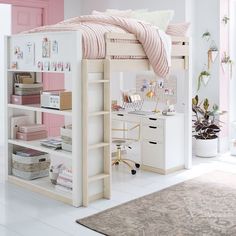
38,108
36,146
98,145
98,81
98,113
98,177
42,186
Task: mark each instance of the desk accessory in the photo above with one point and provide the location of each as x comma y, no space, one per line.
132,100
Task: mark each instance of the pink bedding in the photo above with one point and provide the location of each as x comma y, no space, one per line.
94,27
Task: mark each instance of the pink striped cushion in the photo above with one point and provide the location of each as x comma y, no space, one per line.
179,29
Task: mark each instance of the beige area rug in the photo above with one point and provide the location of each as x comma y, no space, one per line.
204,206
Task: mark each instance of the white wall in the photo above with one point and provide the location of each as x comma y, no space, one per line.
177,5
5,29
207,17
72,8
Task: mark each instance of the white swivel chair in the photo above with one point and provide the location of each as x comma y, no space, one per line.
124,143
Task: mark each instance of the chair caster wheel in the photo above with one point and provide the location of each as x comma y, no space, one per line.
137,165
117,163
133,172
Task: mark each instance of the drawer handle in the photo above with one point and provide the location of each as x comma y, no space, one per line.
152,119
153,142
152,127
120,114
42,159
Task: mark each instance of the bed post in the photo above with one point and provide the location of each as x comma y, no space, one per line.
188,107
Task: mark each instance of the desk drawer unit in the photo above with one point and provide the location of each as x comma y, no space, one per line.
153,154
163,144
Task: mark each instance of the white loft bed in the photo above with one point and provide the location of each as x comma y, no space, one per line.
87,186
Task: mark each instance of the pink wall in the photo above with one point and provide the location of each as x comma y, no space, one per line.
224,76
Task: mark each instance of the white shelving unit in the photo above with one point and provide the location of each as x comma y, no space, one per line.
69,51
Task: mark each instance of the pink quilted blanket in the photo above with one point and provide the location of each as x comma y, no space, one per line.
93,28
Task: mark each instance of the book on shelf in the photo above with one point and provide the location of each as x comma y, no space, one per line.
64,183
63,188
27,152
51,143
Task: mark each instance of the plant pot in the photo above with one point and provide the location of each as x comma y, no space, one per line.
225,67
205,79
206,147
213,55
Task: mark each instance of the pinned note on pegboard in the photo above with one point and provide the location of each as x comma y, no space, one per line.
153,88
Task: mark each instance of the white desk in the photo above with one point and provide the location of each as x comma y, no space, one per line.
162,140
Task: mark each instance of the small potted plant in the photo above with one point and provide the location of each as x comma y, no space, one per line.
206,35
205,128
225,20
203,78
226,63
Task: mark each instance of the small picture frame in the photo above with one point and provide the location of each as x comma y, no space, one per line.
40,65
54,47
46,48
67,66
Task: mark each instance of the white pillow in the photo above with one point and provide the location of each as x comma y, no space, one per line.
120,13
160,19
114,12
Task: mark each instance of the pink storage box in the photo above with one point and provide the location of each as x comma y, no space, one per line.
32,128
32,136
24,100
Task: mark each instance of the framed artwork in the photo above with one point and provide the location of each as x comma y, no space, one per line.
30,53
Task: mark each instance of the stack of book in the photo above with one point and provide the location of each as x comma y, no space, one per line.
64,181
26,91
51,143
31,132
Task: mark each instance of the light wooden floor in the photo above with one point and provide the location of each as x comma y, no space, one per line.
26,214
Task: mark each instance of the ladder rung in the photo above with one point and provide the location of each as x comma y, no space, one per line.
97,177
98,113
98,145
98,81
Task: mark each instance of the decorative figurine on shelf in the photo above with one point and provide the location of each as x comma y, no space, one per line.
170,111
54,173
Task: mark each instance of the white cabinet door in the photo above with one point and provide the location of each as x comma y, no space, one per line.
153,154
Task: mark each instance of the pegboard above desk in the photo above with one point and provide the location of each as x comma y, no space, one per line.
164,90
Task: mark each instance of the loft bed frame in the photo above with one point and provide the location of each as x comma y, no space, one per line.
71,50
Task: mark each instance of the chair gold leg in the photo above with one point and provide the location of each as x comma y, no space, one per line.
129,160
125,162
